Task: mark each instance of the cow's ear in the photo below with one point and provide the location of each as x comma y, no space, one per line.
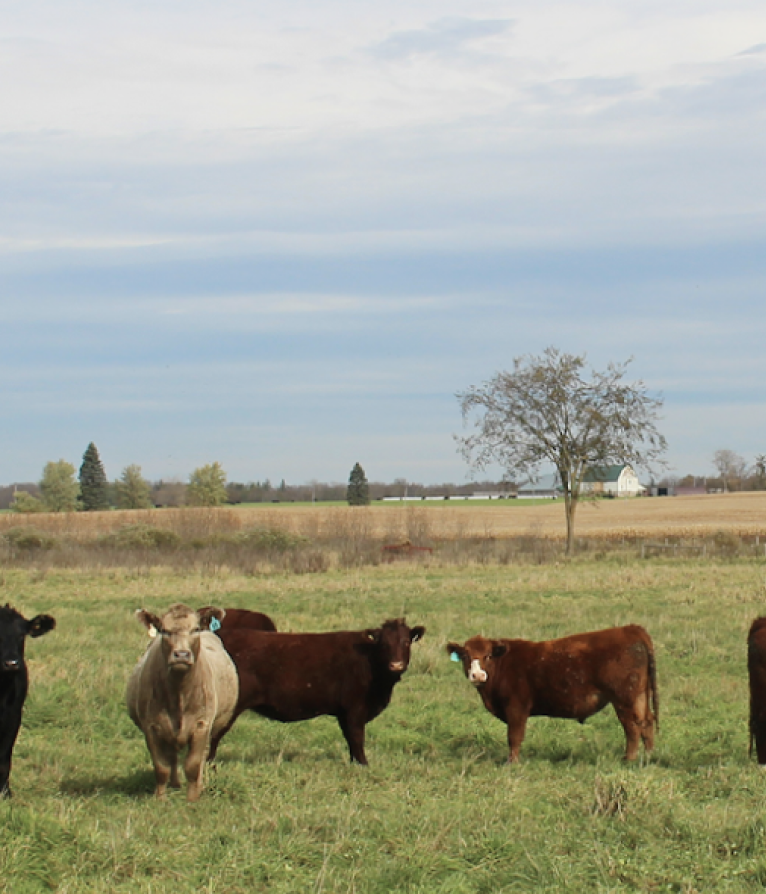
498,649
150,621
373,634
417,633
208,614
41,624
455,652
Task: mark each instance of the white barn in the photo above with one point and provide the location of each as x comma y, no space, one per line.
612,481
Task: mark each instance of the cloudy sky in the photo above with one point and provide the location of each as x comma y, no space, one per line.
283,235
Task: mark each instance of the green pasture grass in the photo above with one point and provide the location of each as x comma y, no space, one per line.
438,809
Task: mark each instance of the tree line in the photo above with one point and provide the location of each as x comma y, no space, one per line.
62,488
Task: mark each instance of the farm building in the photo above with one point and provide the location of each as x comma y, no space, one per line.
546,487
612,481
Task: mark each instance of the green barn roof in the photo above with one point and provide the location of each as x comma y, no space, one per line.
604,473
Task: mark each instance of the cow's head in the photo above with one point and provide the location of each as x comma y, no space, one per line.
478,655
392,643
179,629
14,629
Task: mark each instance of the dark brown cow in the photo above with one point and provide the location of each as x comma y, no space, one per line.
573,677
756,668
296,676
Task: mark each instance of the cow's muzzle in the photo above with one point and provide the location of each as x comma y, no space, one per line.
181,660
11,664
397,667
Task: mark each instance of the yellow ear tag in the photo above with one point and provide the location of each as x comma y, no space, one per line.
152,632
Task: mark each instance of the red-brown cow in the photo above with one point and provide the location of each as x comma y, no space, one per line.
349,675
573,677
756,668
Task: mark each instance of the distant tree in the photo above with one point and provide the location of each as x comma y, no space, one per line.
132,491
59,488
26,502
94,487
548,411
759,472
731,467
358,490
207,486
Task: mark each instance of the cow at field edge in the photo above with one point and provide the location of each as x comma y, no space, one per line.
243,618
349,675
182,693
574,677
756,669
14,681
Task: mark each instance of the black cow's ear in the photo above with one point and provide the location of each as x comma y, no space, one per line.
417,633
41,624
373,634
208,613
498,649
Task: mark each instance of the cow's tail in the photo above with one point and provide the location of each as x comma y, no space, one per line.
653,682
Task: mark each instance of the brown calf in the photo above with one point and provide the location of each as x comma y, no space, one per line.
349,675
574,677
182,693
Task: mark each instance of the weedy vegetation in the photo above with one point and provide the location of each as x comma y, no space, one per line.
438,809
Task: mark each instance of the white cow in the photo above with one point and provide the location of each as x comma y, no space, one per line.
182,692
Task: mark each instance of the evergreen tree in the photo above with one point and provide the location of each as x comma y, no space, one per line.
59,487
94,488
132,490
207,486
358,490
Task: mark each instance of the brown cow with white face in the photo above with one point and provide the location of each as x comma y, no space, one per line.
182,692
574,677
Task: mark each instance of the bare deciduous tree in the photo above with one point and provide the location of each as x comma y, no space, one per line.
548,410
730,465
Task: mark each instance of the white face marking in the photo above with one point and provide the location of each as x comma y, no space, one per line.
477,674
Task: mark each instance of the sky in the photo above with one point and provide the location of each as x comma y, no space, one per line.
283,236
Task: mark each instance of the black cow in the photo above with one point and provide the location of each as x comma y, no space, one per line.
14,680
349,675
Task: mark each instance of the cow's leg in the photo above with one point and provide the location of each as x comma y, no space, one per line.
635,728
216,738
6,752
352,727
517,727
195,763
758,730
165,765
5,773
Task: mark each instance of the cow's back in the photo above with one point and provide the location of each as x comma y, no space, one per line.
295,676
571,677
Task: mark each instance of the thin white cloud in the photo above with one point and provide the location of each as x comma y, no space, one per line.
446,37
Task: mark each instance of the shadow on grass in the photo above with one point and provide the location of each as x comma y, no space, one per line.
137,784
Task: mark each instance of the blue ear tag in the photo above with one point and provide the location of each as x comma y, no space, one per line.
215,624
453,656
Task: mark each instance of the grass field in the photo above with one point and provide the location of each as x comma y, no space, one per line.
438,810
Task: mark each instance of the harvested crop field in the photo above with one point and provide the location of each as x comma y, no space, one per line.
741,514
